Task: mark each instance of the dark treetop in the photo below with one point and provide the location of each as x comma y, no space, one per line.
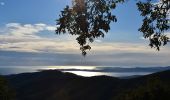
90,19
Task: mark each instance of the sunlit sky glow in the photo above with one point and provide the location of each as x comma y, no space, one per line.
27,38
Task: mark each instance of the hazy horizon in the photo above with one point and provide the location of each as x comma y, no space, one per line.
85,70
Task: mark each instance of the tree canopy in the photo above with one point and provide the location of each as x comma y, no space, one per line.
91,19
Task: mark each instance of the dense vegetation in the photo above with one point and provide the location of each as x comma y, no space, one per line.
55,85
154,89
5,91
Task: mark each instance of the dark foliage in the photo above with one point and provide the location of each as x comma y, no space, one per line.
55,85
154,89
5,91
156,21
90,19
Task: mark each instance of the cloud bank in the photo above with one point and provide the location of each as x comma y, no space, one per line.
26,45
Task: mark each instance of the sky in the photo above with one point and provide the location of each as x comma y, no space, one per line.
27,38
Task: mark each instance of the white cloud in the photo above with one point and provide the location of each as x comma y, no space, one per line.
51,28
27,30
24,37
45,46
37,44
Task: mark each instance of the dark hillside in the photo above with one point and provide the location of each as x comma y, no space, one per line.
55,85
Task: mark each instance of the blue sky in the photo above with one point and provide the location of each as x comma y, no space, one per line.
27,38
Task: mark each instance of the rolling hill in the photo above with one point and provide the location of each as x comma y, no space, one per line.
56,85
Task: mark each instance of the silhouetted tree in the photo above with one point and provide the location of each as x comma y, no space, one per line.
90,19
155,21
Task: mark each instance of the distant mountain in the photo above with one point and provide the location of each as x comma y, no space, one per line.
56,85
120,69
145,70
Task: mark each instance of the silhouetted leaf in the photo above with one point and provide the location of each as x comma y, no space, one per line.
90,19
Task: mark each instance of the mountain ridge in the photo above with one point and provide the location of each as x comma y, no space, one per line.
56,85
